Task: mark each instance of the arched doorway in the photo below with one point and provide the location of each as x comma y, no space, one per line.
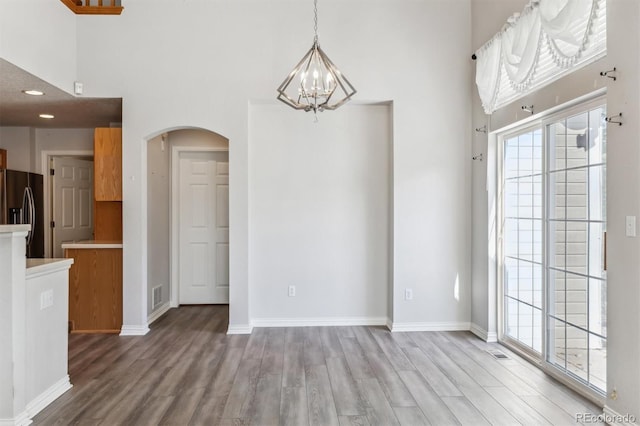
186,243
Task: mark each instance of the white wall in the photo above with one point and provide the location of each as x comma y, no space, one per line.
69,140
24,145
20,145
39,36
199,63
623,199
319,215
488,16
158,191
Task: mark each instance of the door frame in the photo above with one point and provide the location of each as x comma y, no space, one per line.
45,158
174,216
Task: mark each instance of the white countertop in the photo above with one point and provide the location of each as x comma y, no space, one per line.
14,228
92,244
45,266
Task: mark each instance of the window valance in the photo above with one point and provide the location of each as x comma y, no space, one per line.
548,40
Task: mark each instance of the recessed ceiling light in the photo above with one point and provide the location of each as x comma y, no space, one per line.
48,116
33,92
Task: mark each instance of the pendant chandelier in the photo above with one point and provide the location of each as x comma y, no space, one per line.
315,84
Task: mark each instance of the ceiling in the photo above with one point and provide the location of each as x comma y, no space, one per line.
20,110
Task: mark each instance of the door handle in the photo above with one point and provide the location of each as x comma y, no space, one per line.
604,250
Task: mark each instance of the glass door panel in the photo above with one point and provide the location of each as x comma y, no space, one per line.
576,279
522,237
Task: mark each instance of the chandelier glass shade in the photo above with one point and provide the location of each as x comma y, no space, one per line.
315,84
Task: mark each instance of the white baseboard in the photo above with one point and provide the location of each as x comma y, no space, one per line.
21,420
134,330
489,337
162,309
317,322
48,396
389,324
430,326
240,329
614,418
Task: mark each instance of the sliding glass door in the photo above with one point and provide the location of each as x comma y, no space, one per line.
553,279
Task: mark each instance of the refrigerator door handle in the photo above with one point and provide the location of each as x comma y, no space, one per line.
27,212
32,214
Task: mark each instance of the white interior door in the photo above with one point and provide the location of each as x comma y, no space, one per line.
72,201
204,227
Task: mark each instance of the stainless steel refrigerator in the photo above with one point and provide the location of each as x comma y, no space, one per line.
22,201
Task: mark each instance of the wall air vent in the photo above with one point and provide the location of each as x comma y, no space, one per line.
156,297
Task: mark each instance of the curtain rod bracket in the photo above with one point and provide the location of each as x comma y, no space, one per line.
612,118
606,74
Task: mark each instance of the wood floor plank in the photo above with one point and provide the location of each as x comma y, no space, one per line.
347,397
429,402
379,412
152,412
491,409
265,410
187,370
365,339
464,411
393,352
437,379
391,383
410,416
353,421
469,365
517,407
243,391
313,353
498,368
330,342
320,402
293,364
356,358
182,407
293,406
456,374
552,412
273,356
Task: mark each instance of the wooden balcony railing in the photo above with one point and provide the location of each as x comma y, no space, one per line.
94,7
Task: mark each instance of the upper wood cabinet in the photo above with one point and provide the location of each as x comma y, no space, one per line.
107,158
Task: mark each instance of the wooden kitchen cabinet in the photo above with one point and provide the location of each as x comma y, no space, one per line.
95,287
107,157
3,159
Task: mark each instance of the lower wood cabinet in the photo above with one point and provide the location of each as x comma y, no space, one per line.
95,290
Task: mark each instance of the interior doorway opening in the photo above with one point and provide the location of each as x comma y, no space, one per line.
171,259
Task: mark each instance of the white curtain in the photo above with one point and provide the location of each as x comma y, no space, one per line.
546,41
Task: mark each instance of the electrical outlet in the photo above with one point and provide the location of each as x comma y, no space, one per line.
46,299
630,226
408,294
292,291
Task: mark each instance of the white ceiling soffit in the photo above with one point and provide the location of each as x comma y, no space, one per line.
548,40
20,110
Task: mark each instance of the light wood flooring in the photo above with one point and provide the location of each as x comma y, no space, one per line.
186,370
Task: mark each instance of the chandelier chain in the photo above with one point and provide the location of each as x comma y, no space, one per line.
315,20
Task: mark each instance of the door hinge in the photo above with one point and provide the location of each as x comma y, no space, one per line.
52,172
53,224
